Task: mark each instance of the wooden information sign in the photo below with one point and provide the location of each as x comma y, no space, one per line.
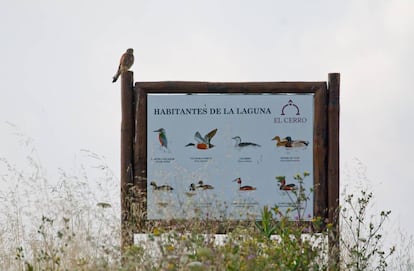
223,151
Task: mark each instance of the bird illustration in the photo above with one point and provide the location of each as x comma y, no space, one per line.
295,143
162,204
203,143
283,185
244,187
192,187
240,144
162,137
127,60
192,190
161,187
203,186
279,142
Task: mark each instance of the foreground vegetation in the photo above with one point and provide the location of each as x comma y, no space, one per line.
73,224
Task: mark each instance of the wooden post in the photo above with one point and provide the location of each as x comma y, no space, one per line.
127,158
320,150
140,160
333,163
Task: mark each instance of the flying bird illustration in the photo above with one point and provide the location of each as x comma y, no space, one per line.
162,137
203,143
240,144
127,60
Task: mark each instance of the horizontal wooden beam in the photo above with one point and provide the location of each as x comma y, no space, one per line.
234,87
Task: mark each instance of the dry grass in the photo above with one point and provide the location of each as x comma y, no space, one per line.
73,223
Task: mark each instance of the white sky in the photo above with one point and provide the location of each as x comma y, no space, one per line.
58,59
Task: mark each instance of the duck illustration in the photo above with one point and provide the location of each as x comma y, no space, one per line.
279,142
283,185
203,143
192,190
244,187
295,143
203,186
240,144
162,137
192,187
161,187
162,204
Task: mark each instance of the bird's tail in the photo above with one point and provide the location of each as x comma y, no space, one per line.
116,76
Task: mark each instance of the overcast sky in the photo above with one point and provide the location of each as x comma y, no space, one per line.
58,59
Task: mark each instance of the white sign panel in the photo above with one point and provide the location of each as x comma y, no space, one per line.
225,156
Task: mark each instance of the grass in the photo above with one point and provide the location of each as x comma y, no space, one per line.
73,223
67,224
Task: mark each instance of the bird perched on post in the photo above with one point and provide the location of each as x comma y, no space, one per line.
127,60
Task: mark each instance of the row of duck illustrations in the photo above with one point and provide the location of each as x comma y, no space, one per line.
204,142
282,186
165,187
202,186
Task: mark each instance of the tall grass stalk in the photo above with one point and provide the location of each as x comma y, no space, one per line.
71,223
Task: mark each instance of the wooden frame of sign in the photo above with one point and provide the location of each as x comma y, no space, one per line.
134,143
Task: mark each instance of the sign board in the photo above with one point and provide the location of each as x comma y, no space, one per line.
225,156
223,151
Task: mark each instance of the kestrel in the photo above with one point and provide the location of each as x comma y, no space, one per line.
127,60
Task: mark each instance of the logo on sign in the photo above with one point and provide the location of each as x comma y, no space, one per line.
290,114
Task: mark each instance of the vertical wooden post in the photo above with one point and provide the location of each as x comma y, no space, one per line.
127,136
320,149
333,163
140,159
